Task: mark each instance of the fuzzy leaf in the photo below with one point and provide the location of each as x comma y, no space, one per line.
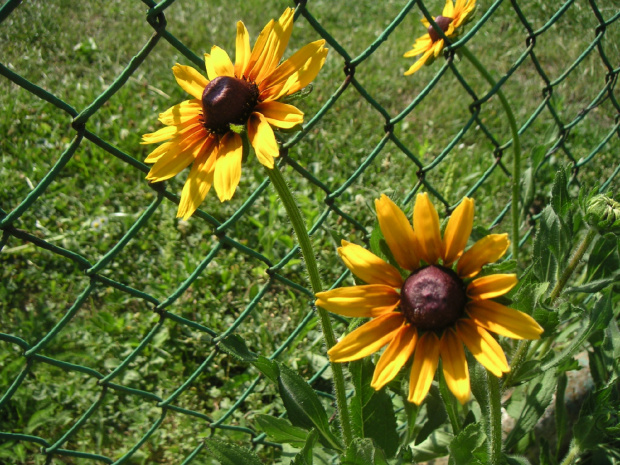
373,410
235,346
303,405
434,446
281,430
304,457
267,367
364,452
468,446
539,394
230,454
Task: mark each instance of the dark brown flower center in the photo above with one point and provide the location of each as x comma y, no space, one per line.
443,22
227,100
433,297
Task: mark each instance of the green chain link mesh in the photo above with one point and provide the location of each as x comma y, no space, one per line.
164,408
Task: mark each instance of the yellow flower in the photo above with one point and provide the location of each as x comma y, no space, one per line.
202,131
452,17
433,312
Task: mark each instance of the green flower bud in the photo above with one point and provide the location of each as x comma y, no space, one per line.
603,214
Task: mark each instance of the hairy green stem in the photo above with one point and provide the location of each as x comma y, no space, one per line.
516,149
517,360
573,452
568,271
315,281
495,420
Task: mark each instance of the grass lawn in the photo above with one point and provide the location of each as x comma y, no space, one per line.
75,51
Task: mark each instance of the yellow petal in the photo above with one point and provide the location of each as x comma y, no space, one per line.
177,144
263,140
199,180
368,267
275,46
259,46
489,249
455,366
397,232
457,231
503,320
191,126
438,47
181,113
176,159
367,339
210,66
482,346
421,45
228,166
426,228
425,362
221,62
395,356
243,51
190,80
158,152
489,287
448,9
296,72
418,64
371,300
280,115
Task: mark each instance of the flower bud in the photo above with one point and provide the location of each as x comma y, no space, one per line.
603,214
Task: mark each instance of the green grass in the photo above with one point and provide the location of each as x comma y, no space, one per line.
76,49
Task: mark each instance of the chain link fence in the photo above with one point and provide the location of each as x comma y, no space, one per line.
110,395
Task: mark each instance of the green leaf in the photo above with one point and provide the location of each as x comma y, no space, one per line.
546,265
561,412
267,367
468,447
596,285
598,419
604,259
560,201
539,393
435,412
303,405
304,457
363,452
598,319
372,410
230,454
281,430
235,346
434,446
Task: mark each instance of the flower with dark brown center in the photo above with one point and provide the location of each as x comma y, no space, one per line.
440,308
244,96
451,21
443,22
227,100
433,297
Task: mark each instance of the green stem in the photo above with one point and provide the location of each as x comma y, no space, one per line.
572,454
568,271
315,281
517,360
495,420
516,149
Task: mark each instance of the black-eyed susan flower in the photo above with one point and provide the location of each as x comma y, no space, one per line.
204,131
430,45
437,309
